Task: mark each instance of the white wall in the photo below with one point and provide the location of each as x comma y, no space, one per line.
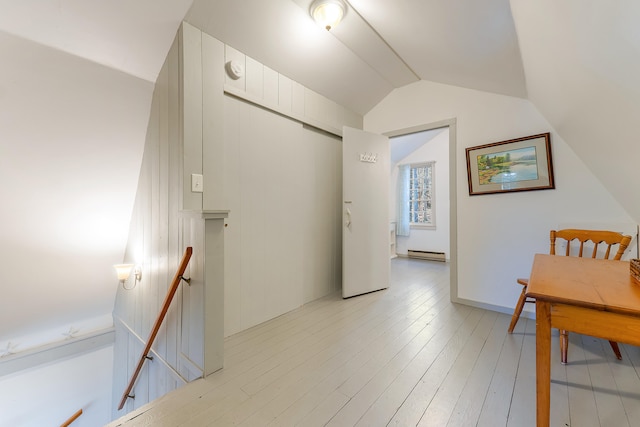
72,139
283,243
49,394
582,74
499,234
437,240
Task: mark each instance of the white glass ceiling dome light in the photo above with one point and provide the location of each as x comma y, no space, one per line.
328,13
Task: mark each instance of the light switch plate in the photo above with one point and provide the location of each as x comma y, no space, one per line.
197,183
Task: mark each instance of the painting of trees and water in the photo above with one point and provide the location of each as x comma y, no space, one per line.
508,166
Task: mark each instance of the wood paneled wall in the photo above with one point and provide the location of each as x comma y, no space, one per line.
274,161
157,238
272,155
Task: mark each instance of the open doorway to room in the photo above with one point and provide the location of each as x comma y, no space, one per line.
433,145
419,193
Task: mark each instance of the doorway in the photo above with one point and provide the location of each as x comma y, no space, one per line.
447,127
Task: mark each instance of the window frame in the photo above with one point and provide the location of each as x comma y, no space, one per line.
432,190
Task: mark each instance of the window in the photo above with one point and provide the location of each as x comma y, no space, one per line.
421,195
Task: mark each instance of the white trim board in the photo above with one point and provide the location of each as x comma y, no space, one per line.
230,90
57,351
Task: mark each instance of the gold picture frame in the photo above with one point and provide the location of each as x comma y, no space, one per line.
521,164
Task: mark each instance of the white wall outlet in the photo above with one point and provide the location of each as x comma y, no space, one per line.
197,183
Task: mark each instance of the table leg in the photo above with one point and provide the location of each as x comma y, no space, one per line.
543,363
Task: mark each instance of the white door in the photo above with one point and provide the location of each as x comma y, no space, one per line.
365,212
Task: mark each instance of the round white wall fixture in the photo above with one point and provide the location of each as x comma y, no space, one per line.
235,69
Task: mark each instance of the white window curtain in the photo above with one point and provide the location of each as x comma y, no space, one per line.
402,203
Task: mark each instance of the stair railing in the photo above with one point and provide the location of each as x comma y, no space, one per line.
156,327
72,418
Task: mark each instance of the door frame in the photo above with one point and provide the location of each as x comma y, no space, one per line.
453,193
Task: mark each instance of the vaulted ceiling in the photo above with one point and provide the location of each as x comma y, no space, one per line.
379,46
77,76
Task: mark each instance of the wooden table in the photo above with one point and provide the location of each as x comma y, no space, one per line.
589,296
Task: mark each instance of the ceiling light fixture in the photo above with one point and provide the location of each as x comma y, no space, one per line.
328,13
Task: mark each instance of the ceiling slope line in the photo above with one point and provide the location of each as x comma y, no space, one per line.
384,41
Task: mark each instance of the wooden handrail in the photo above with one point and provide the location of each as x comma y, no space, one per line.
165,307
72,418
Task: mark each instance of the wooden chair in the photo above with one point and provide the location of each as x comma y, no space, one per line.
608,238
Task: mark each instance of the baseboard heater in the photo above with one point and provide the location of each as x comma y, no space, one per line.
431,256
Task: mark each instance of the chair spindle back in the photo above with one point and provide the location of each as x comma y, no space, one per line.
597,237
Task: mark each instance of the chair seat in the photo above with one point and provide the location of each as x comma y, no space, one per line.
524,282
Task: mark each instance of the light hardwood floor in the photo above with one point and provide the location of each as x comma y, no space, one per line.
404,356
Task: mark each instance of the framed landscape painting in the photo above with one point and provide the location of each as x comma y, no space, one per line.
520,164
